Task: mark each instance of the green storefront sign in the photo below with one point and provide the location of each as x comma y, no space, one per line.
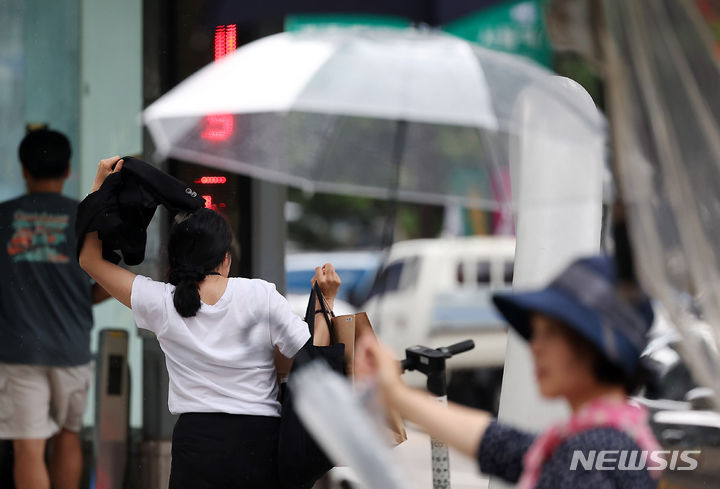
299,22
514,26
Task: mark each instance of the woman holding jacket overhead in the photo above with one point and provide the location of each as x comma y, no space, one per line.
219,336
586,343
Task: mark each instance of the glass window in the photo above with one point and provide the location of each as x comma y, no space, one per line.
378,285
483,273
394,271
508,272
411,273
388,280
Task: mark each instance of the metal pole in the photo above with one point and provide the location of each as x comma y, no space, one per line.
440,456
431,362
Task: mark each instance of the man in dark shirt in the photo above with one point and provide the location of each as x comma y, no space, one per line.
45,320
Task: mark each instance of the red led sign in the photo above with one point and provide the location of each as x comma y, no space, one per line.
225,40
211,180
210,204
218,128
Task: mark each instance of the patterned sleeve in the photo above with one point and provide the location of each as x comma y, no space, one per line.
560,472
502,450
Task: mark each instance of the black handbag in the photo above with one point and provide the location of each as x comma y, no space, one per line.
301,461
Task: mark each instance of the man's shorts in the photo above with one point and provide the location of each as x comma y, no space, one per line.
36,402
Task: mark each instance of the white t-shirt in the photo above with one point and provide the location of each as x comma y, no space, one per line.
221,360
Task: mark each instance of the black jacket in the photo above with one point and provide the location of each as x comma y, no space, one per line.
122,208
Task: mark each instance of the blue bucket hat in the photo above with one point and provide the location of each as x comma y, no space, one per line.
584,298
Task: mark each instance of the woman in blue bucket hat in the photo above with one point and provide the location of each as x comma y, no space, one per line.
586,343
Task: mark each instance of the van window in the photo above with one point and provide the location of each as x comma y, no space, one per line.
508,272
411,273
394,271
388,280
483,273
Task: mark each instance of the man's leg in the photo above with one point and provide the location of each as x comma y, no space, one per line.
69,395
65,460
29,470
24,419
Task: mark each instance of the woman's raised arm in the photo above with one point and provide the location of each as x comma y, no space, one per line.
114,279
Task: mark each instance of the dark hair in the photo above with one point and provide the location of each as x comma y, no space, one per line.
197,245
604,370
45,154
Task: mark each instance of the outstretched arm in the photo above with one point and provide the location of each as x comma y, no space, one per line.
114,279
458,426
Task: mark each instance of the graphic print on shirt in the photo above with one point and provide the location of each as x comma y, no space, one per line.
36,237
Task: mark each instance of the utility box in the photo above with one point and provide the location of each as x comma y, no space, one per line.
112,409
158,423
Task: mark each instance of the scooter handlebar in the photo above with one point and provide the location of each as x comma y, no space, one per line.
458,347
414,354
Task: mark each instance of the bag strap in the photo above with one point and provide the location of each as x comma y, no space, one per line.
310,311
327,313
323,301
316,292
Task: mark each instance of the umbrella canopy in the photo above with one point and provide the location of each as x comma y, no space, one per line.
409,114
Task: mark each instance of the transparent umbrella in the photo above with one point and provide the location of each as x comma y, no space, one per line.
663,79
413,115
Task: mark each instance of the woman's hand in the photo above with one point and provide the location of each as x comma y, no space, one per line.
376,361
459,426
105,168
329,283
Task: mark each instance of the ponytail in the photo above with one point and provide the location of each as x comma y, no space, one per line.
186,280
197,246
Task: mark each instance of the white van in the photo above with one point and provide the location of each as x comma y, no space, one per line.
436,292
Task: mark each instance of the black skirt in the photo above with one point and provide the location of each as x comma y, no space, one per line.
224,451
